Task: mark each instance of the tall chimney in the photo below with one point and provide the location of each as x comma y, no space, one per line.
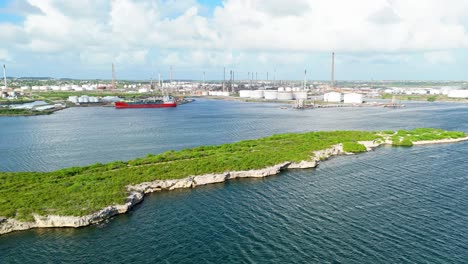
333,70
224,77
305,79
233,82
274,77
230,79
4,76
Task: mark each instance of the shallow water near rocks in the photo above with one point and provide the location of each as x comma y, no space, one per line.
405,205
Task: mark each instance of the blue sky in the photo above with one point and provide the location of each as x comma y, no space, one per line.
373,39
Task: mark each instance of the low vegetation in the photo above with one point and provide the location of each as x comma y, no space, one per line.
21,112
353,147
83,190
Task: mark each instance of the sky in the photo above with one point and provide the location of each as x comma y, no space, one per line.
372,39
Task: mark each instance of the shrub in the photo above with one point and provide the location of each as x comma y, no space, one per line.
353,147
404,142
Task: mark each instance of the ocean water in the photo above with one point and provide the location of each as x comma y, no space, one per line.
393,205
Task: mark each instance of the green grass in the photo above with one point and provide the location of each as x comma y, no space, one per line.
21,112
401,141
419,134
353,147
83,190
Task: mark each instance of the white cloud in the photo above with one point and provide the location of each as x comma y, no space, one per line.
267,31
439,57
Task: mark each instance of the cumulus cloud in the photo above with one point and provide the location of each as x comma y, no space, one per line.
268,31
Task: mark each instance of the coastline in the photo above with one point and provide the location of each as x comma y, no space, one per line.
138,191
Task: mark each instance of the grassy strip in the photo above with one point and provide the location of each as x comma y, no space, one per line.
22,112
83,190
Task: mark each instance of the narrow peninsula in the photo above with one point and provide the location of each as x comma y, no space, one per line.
81,196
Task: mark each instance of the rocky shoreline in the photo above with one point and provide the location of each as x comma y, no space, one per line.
138,191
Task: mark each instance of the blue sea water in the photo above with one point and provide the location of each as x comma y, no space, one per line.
393,205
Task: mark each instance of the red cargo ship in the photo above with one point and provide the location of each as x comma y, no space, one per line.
167,101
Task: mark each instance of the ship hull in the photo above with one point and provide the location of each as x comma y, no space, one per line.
121,105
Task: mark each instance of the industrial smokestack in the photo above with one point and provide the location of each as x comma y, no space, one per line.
4,76
233,82
230,79
333,70
305,79
274,77
224,77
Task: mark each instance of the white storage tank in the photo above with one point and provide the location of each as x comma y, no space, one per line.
223,93
83,99
288,89
353,98
285,96
244,93
300,95
257,94
457,93
204,93
281,89
73,99
271,95
333,97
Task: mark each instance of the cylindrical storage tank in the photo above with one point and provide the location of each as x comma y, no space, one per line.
271,95
204,93
353,98
288,89
223,93
257,94
285,96
332,97
73,99
244,93
281,89
300,95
